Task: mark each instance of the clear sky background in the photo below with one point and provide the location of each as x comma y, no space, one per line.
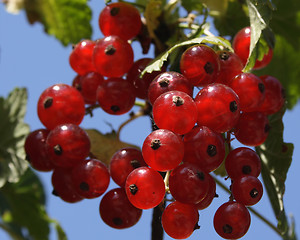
30,58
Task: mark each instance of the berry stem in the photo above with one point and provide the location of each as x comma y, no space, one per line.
132,117
166,181
10,232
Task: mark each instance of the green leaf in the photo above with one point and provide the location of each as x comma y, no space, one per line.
192,5
13,132
276,156
61,235
67,20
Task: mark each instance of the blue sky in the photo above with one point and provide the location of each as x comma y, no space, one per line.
30,58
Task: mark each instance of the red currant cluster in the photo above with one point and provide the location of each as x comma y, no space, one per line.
190,136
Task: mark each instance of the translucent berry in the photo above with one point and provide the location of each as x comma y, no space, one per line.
211,194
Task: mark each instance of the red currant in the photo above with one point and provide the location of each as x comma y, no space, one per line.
211,194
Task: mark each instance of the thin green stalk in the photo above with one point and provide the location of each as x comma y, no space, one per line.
11,233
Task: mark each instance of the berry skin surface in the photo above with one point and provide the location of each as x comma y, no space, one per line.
116,210
247,190
211,194
179,220
91,178
175,111
36,152
241,162
112,56
116,96
60,104
218,107
67,145
232,220
163,150
123,162
80,58
200,65
145,188
120,19
204,148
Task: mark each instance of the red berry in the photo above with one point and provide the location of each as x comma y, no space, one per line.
81,57
145,188
211,194
179,220
116,210
60,104
232,220
91,178
123,162
120,19
112,56
218,107
163,150
175,111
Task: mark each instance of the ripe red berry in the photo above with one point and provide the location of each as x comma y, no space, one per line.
179,220
218,107
81,57
60,104
112,56
91,178
232,220
163,150
145,188
123,162
175,111
116,210
120,19
211,194
200,65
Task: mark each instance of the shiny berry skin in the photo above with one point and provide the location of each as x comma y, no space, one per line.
120,19
112,56
116,96
241,162
116,210
60,104
169,81
163,150
218,107
232,220
145,188
211,194
230,66
91,178
252,128
141,84
87,85
175,111
204,148
200,65
123,162
275,96
188,183
250,89
241,45
247,190
35,149
63,185
80,58
67,145
179,220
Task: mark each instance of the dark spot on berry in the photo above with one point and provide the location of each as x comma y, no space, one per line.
135,163
200,175
224,56
178,101
246,169
155,144
115,108
84,186
211,150
227,228
27,158
233,106
73,46
117,221
209,68
261,87
196,226
267,128
78,87
164,82
114,11
216,195
48,102
133,189
58,150
254,193
110,50
55,193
